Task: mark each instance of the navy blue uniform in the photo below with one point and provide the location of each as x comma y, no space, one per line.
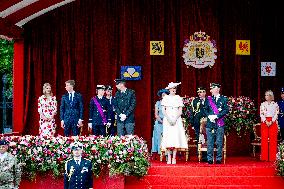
78,175
281,117
112,129
98,126
71,110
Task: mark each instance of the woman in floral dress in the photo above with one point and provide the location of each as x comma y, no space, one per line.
47,109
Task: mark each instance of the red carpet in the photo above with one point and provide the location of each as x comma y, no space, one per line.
238,172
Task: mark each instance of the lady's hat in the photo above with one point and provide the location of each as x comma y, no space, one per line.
172,85
161,91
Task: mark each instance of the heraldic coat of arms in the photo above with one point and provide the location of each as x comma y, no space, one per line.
199,51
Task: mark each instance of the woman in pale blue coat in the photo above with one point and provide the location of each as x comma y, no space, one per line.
158,127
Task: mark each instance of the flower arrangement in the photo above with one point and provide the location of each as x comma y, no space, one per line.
242,114
280,160
126,155
241,117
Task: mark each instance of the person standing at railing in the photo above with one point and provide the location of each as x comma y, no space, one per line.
268,113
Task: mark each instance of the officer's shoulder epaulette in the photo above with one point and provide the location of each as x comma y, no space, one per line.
87,159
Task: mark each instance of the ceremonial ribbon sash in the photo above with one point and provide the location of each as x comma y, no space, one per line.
220,122
99,107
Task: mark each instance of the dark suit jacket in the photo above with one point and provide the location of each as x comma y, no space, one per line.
95,116
222,107
125,103
71,111
82,176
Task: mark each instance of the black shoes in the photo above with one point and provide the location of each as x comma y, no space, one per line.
218,162
210,162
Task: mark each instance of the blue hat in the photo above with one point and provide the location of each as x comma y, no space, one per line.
161,91
213,85
3,142
76,146
201,89
108,87
117,81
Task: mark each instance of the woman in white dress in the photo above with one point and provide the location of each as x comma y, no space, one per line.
47,109
173,131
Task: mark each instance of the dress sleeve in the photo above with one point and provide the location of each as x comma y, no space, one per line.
39,106
262,112
164,101
276,112
54,105
179,101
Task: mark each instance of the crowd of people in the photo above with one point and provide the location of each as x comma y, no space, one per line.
108,115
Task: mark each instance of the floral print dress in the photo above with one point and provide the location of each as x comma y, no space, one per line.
48,108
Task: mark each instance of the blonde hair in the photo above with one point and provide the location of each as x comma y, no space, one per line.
44,89
270,93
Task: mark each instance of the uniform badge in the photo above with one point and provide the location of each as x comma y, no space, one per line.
85,169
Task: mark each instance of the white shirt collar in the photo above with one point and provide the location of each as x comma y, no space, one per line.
3,156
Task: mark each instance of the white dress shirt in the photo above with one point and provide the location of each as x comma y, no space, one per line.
269,110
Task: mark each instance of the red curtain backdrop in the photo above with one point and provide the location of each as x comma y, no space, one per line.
89,40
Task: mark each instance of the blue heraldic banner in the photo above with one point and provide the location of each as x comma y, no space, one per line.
130,72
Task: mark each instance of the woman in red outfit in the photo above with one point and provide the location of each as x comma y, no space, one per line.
269,129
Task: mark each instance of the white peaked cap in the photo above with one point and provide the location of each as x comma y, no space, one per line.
172,85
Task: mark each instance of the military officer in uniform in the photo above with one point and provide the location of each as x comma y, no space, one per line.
125,103
78,171
110,98
281,114
99,119
197,114
215,108
10,170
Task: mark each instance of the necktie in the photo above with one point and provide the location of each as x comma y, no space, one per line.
77,162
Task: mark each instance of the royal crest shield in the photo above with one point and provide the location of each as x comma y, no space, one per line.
199,51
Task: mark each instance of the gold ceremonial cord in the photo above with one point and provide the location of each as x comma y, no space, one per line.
71,173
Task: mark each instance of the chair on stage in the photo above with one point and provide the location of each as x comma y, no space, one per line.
257,139
202,144
184,151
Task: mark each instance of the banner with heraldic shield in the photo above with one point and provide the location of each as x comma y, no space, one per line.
199,51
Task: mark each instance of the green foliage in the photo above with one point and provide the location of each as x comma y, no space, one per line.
6,63
280,160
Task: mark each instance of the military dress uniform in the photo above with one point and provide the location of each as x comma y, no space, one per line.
196,115
215,123
78,173
10,170
281,115
112,129
99,120
125,103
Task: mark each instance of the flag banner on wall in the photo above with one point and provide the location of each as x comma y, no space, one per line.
268,68
130,72
242,47
199,50
157,48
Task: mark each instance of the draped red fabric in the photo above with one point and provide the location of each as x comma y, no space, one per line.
89,40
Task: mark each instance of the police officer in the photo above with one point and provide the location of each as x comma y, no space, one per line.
197,114
78,171
125,103
215,108
281,114
10,170
110,98
99,112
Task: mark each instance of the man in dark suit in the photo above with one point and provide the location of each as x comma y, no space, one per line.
71,110
197,114
78,171
125,102
110,98
99,119
216,108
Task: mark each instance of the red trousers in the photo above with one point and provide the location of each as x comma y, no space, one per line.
269,141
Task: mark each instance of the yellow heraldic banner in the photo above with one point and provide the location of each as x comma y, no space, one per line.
242,47
157,48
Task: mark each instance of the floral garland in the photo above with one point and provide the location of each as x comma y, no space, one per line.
280,160
241,117
126,155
